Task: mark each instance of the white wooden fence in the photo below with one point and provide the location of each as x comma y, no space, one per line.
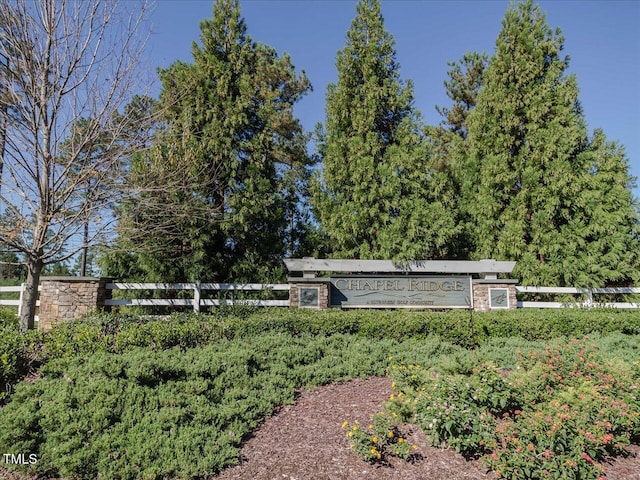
588,293
197,301
15,303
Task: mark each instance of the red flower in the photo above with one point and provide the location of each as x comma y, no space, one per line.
606,438
586,457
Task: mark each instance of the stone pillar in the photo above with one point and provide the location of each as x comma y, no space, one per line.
494,294
309,293
67,298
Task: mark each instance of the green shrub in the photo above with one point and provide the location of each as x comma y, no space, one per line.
117,333
460,410
464,328
173,413
19,355
106,378
379,441
111,333
532,324
8,316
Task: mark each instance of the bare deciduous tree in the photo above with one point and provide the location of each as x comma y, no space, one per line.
63,60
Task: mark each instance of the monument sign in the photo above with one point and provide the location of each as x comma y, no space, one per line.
400,291
419,284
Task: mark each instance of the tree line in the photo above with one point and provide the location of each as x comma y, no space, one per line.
214,180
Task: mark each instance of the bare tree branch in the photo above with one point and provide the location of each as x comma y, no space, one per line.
61,61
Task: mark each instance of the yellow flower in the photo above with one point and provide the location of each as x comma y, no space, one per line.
392,396
370,426
401,440
374,450
390,434
350,434
393,385
345,424
374,439
415,447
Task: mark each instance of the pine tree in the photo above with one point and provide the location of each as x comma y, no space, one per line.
373,198
527,173
449,147
462,87
230,130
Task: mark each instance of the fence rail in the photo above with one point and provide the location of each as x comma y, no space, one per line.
15,303
12,303
588,302
197,301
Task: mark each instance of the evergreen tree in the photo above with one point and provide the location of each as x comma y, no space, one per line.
373,199
449,147
529,161
241,154
462,87
611,232
12,271
150,218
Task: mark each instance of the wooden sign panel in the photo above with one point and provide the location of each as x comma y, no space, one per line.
401,291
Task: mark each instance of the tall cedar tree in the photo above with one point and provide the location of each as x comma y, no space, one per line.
611,231
373,199
527,173
231,129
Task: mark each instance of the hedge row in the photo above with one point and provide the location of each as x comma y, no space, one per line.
463,328
21,353
117,333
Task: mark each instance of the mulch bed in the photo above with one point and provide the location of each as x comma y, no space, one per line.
305,441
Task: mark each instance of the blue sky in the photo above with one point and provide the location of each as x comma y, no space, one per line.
602,39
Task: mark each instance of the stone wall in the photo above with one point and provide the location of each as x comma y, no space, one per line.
482,290
309,294
66,298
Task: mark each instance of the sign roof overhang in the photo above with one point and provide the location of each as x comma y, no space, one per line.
489,266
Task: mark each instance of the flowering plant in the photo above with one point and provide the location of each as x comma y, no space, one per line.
379,440
561,412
